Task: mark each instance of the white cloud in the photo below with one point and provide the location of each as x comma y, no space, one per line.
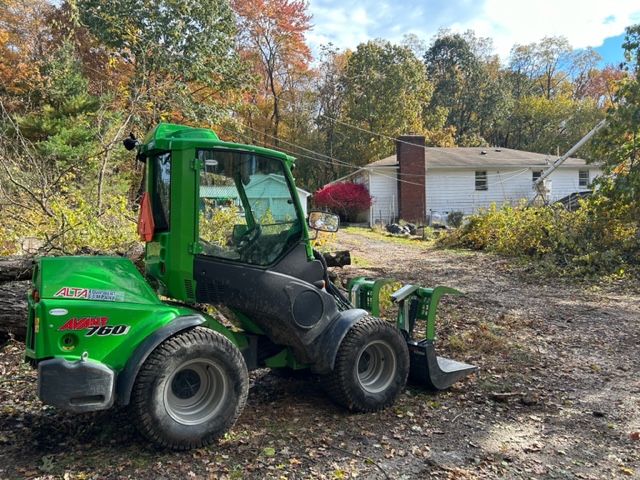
583,22
342,26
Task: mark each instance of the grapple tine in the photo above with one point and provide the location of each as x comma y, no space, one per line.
365,293
427,368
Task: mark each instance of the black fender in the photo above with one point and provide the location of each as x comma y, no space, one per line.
127,376
332,339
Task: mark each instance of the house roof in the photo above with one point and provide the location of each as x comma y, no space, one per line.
443,157
272,177
230,191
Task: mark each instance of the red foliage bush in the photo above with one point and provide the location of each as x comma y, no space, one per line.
346,199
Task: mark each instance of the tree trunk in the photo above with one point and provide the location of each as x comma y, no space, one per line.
13,309
16,267
337,259
15,274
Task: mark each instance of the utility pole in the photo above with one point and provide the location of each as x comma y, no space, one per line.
539,186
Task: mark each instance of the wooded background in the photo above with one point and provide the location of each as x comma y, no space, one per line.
77,76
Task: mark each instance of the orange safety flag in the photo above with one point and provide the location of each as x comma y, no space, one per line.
145,219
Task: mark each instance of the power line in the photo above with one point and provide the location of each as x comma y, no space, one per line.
285,101
314,156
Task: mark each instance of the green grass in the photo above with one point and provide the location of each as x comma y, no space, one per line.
382,235
361,262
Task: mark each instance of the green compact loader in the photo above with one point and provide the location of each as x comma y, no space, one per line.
223,225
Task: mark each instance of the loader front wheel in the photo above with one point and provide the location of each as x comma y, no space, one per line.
371,366
190,390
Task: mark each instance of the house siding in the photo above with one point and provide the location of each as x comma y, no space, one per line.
449,190
383,188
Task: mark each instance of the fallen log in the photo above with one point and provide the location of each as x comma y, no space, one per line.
15,267
13,309
337,259
15,273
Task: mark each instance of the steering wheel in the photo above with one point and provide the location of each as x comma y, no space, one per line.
247,239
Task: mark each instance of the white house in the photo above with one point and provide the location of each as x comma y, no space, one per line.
424,184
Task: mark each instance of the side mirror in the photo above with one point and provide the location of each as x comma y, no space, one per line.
130,142
324,221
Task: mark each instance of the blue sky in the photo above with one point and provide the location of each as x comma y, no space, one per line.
585,23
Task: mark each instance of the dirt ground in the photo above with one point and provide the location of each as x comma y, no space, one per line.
557,395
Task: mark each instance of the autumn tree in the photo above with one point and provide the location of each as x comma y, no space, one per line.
602,85
53,182
347,199
468,87
386,91
271,39
49,158
22,34
106,73
555,98
618,145
184,64
327,90
551,67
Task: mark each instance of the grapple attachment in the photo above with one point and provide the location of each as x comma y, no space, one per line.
437,373
414,303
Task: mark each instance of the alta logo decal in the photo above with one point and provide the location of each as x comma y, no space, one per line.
90,294
94,326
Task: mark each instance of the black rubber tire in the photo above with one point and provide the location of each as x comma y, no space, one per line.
190,390
371,366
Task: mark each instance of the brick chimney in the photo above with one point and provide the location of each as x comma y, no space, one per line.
411,178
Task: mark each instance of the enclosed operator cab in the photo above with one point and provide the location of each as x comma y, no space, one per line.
228,228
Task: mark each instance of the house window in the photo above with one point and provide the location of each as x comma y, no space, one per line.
535,175
481,181
583,178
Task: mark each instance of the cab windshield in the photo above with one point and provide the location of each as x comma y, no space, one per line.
246,209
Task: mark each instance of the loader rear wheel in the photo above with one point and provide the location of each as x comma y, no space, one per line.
371,366
190,390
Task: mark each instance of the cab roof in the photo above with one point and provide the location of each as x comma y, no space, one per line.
171,136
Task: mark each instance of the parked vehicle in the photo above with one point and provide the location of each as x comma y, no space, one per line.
223,225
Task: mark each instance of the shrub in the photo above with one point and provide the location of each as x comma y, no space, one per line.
72,226
346,199
594,240
454,219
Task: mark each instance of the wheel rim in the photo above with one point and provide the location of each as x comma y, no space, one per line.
195,392
376,367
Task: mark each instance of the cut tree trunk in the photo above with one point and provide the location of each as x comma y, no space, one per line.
337,259
15,273
13,309
15,267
